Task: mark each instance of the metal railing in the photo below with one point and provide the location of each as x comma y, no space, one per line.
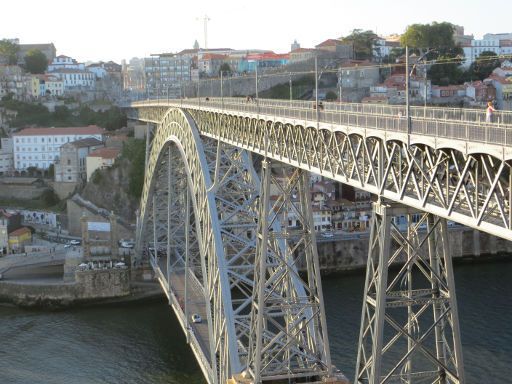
362,116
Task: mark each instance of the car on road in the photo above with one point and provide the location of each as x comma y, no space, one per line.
327,235
67,245
196,318
127,244
75,242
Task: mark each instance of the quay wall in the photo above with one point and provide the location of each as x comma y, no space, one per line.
88,286
465,244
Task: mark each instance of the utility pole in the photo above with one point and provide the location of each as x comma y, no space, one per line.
316,89
291,89
407,103
256,78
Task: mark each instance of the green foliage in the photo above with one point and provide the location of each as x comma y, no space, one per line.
37,114
51,171
9,51
394,54
225,68
331,96
97,177
282,91
446,71
134,150
483,66
362,42
111,119
427,36
32,171
49,198
435,42
36,61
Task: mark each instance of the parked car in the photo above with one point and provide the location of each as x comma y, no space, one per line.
327,235
75,242
196,318
127,244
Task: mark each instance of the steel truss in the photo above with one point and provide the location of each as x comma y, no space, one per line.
409,326
215,186
470,187
288,336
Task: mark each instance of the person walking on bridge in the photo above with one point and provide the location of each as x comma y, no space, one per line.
488,112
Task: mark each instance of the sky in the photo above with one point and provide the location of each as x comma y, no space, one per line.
105,30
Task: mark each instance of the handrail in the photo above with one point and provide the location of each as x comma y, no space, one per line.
335,114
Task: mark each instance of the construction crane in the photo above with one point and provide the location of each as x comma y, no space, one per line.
205,19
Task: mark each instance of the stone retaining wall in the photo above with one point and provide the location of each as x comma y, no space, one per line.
352,254
88,286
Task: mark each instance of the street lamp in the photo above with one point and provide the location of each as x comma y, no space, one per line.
408,85
316,89
291,89
256,77
221,89
339,83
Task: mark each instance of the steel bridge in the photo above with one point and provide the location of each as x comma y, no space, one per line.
224,174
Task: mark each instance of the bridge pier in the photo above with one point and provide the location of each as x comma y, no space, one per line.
288,338
409,327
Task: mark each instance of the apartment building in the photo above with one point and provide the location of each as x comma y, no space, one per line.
6,156
164,74
40,147
71,166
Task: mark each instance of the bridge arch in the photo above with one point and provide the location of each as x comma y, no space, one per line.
177,132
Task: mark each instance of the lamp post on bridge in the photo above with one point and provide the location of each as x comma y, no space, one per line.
316,90
221,89
256,78
408,75
291,89
340,83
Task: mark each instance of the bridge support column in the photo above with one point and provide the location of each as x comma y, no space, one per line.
288,337
409,326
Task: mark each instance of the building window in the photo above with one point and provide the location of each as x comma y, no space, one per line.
69,161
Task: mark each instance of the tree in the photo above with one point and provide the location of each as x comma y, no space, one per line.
225,68
422,37
134,150
362,42
446,71
51,171
331,96
434,42
483,66
9,51
36,61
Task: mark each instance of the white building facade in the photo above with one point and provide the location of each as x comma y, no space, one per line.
500,44
64,62
40,147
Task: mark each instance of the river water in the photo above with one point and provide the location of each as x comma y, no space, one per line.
143,343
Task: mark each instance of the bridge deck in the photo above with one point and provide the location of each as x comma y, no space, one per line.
197,333
430,122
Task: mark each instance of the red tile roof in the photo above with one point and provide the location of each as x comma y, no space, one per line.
5,213
20,231
213,56
329,43
267,56
90,130
105,153
300,50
